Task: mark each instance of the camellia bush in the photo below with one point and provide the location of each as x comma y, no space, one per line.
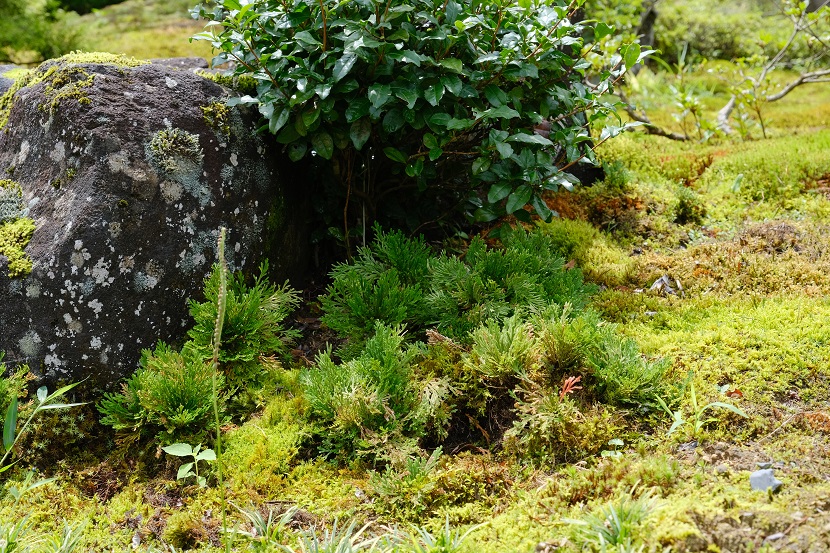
487,102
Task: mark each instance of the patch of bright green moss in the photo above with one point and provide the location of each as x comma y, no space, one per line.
15,73
771,349
242,84
15,229
64,79
773,168
600,259
262,451
217,116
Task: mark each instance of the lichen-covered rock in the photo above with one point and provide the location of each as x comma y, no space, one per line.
128,170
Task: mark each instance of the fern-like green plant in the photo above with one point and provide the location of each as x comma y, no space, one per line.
502,351
169,398
398,281
625,376
383,283
252,324
369,394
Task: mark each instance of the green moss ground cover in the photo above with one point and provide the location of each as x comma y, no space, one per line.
471,422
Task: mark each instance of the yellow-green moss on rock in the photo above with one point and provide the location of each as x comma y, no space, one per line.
65,80
15,228
217,116
14,236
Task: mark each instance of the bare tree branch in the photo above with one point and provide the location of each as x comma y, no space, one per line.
724,114
804,78
650,127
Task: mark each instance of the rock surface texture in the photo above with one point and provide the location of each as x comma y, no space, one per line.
128,171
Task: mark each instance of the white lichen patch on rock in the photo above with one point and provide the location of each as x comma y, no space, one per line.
30,344
171,191
58,153
95,305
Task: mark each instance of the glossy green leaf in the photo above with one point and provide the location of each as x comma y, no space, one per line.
504,149
393,121
452,84
434,93
453,64
184,471
410,56
459,124
297,150
310,116
357,109
360,132
480,164
631,55
501,112
530,139
518,199
541,208
379,95
178,449
485,214
278,122
206,455
498,192
496,96
323,144
394,154
415,168
408,95
602,30
438,120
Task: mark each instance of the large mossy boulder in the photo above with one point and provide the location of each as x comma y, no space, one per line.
116,178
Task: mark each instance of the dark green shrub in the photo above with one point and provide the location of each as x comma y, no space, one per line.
32,32
407,97
732,34
252,325
168,399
